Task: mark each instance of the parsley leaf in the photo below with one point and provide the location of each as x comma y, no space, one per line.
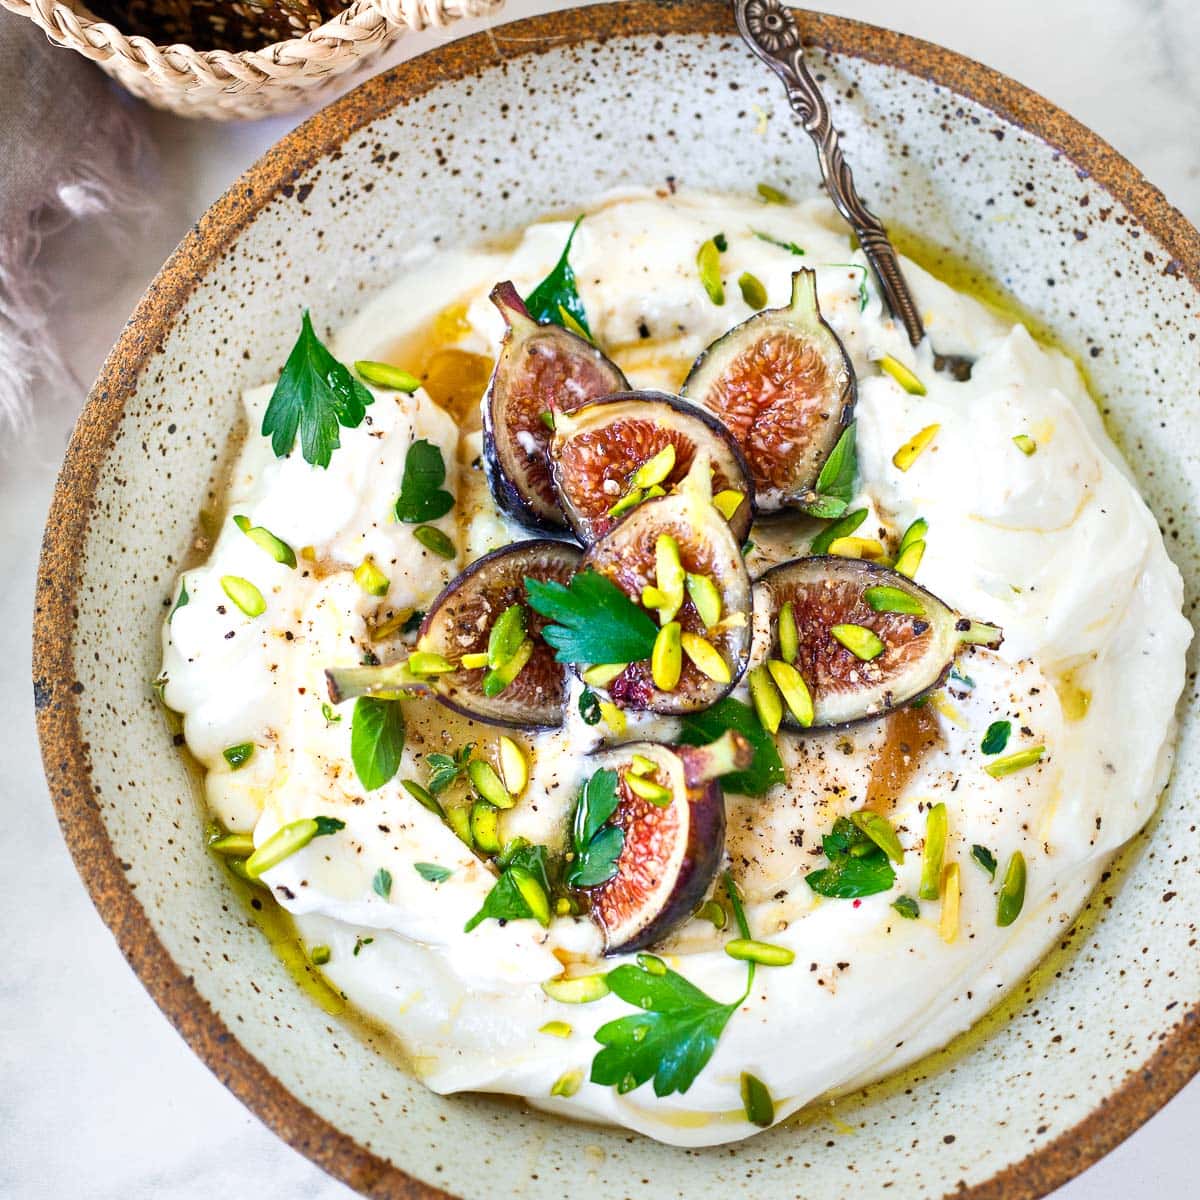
505,902
376,740
594,621
422,497
381,885
556,298
315,394
432,872
445,769
907,907
597,844
996,738
589,707
857,867
791,247
765,769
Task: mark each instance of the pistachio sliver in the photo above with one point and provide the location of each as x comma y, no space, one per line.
768,703
1012,891
558,1029
705,657
914,533
287,840
238,756
656,469
666,659
893,600
236,845
506,636
857,547
487,783
370,578
514,766
914,447
474,662
757,1103
319,956
459,819
578,989
706,597
909,559
485,827
879,829
648,790
423,796
639,764
1025,444
434,540
843,527
713,912
772,195
264,539
631,499
532,893
727,502
937,827
794,690
602,674
244,594
862,642
429,662
766,954
753,291
614,718
902,375
669,576
1011,763
789,635
498,678
386,376
708,263
951,895
567,1084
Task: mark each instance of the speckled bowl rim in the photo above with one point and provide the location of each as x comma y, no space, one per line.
56,689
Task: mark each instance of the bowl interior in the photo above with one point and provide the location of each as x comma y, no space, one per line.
470,142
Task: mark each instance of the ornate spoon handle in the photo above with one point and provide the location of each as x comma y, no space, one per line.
769,28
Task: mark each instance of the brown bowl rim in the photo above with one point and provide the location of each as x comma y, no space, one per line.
1144,1091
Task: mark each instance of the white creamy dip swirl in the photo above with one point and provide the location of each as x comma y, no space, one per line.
1056,547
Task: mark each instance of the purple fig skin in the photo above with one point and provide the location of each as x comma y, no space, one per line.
700,813
452,627
697,424
519,478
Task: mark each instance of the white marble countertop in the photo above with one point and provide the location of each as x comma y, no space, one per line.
99,1097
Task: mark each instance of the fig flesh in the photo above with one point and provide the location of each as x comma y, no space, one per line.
503,676
782,383
542,370
672,849
711,600
601,452
864,638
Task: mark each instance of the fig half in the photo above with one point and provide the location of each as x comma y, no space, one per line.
607,455
672,812
677,556
863,638
782,383
542,370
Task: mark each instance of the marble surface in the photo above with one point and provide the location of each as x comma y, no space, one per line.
99,1097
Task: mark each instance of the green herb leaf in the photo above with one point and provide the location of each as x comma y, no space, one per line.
593,620
432,872
314,396
986,859
359,943
182,602
766,768
841,467
505,902
381,885
558,293
907,907
589,707
238,756
791,247
996,738
857,867
670,1039
597,844
376,740
327,825
863,294
721,243
445,769
839,529
422,497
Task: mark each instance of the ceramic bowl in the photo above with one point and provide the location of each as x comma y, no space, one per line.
474,139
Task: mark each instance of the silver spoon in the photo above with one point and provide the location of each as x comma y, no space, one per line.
769,28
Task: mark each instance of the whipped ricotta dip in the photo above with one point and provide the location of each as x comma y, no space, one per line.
1056,547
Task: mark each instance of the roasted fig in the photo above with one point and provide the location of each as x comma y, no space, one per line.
480,650
850,639
612,454
542,370
677,556
782,384
671,810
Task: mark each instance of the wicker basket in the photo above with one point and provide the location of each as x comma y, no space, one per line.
229,85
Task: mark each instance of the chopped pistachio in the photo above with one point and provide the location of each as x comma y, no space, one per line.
506,636
772,195
843,527
951,890
768,703
319,955
631,499
1012,891
862,642
893,600
753,291
937,827
789,635
902,375
286,840
459,819
558,1029
386,376
532,893
498,678
429,662
914,447
669,576
514,766
639,764
705,657
757,1103
1011,763
487,783
706,597
567,1084
578,989
614,717
666,659
713,912
879,829
393,624
434,540
423,796
244,594
648,790
909,559
485,827
766,954
1025,444
914,533
794,690
727,502
238,756
370,578
602,674
547,418
564,906
237,845
264,539
708,262
857,547
655,470
474,662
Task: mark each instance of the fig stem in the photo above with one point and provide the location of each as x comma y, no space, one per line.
348,683
730,752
